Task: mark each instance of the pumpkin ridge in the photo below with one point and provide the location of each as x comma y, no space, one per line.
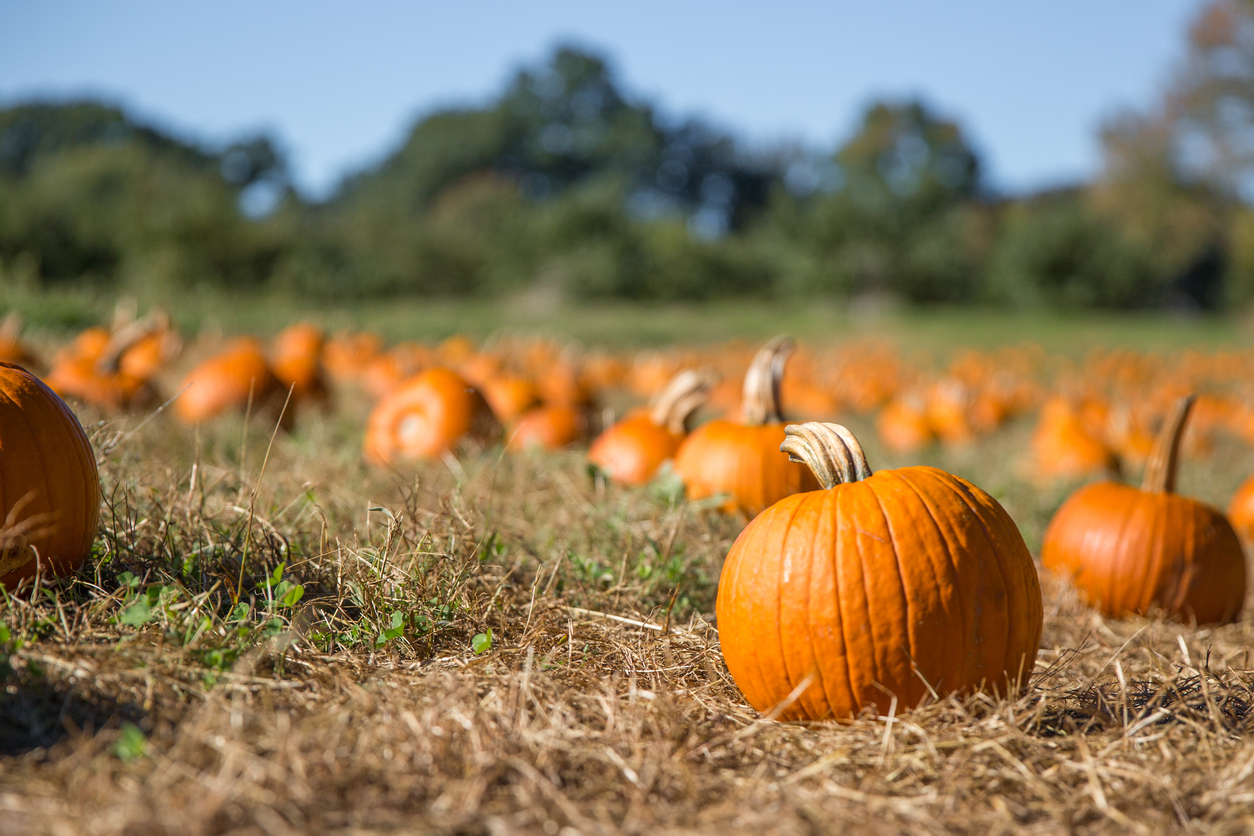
905,593
1157,557
87,472
1185,569
42,469
809,621
751,533
779,600
967,497
840,601
967,624
757,572
868,616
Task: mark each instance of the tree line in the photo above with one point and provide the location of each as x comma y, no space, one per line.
566,185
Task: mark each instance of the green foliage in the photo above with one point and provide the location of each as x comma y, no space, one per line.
1061,253
131,743
564,187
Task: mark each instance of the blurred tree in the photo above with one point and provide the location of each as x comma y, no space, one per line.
1057,250
87,194
904,216
1176,173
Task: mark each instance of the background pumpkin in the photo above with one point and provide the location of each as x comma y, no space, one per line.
631,451
741,459
1128,551
548,427
426,416
1241,510
879,585
234,378
49,488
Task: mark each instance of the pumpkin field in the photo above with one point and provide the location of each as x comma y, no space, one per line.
350,573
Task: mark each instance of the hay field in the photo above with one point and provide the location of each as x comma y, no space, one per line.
276,638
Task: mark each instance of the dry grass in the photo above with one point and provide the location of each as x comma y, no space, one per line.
140,697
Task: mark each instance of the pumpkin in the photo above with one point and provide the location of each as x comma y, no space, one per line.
90,369
12,349
386,371
1130,551
877,586
547,427
510,396
631,451
296,358
741,459
347,354
1064,445
237,378
902,424
155,347
426,416
49,488
1241,510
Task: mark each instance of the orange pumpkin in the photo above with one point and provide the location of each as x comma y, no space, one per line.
510,396
238,378
12,349
426,416
1063,445
741,459
346,355
49,488
903,426
548,427
877,586
90,369
386,371
631,451
152,351
296,358
1241,511
1129,551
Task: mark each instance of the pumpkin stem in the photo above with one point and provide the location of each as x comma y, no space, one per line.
1164,459
684,395
122,339
760,403
831,452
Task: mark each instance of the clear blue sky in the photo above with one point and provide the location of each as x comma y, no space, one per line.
339,83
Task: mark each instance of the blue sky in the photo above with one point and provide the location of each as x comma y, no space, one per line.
339,83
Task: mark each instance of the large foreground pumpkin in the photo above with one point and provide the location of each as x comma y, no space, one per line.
741,459
49,488
1129,551
878,586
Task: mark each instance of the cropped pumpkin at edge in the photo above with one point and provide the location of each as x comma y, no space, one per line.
631,451
741,459
1130,551
49,486
892,584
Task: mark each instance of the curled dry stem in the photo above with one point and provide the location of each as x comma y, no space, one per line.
760,404
831,452
684,395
